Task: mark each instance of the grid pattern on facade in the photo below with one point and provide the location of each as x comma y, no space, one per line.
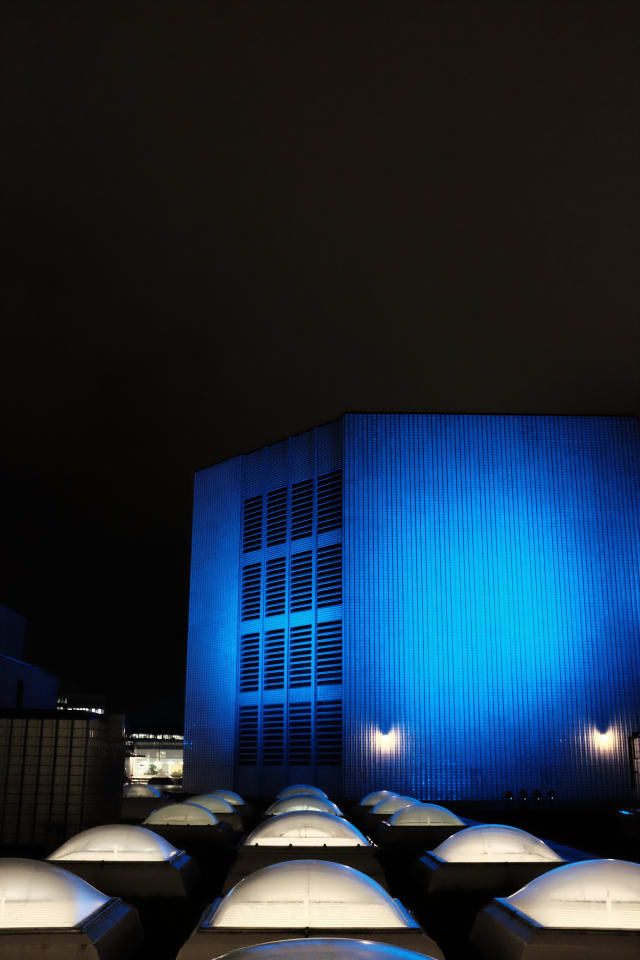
491,603
301,656
301,509
276,586
276,517
329,575
329,653
248,735
273,735
296,659
250,662
329,501
251,591
491,564
58,775
286,653
301,580
290,514
252,524
300,734
329,732
274,660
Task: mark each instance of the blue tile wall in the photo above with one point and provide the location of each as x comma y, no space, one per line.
491,604
212,655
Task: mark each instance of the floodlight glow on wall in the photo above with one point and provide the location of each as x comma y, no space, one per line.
35,894
184,814
308,828
605,741
309,893
386,742
115,842
424,815
494,843
302,802
591,894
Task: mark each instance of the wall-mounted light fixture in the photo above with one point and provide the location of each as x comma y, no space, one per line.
386,742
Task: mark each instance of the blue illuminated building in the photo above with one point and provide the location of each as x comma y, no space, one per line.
446,606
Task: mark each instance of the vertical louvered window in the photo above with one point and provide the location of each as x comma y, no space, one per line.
301,581
252,524
251,591
276,517
273,735
329,575
301,509
274,660
329,653
329,501
275,591
250,661
329,732
300,734
248,736
300,660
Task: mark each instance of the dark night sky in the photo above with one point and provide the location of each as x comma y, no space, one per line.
225,222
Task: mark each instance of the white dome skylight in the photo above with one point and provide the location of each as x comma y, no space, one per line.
494,843
213,803
424,815
377,796
301,788
591,894
309,893
306,828
115,841
325,948
140,791
34,894
302,802
393,804
182,815
233,798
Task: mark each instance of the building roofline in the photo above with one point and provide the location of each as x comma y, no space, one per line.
418,413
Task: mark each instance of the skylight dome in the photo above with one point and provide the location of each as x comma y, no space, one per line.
309,893
494,843
329,948
115,841
302,802
392,804
233,798
306,828
424,815
591,894
377,796
140,791
301,788
34,894
182,815
213,803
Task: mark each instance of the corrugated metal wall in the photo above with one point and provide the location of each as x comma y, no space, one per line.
491,604
210,708
262,690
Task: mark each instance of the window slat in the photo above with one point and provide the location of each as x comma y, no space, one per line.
252,525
